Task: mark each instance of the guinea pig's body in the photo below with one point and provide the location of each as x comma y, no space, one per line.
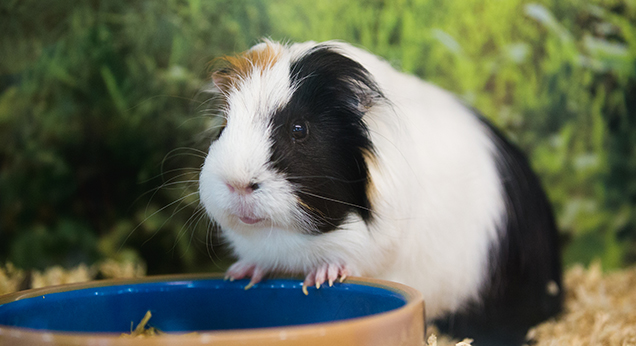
331,163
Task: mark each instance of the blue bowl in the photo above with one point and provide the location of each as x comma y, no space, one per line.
203,303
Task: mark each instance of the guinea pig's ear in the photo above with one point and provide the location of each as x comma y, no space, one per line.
367,94
222,79
367,98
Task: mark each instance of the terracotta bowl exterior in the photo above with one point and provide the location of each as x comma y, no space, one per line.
402,326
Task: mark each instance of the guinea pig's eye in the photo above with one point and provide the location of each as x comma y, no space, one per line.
299,130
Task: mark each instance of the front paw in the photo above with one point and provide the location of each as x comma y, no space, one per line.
327,272
240,270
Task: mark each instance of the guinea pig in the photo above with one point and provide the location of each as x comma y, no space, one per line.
329,163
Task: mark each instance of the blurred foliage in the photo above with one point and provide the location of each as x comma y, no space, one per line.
557,76
102,122
101,127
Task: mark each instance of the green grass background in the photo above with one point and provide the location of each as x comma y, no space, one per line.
102,123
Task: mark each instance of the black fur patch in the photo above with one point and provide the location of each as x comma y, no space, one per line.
327,166
525,261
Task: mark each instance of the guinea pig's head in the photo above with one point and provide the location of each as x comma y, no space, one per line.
294,149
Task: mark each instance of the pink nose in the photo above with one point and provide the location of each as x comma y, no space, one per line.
242,189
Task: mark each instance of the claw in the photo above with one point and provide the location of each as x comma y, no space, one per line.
332,274
257,276
326,273
344,273
321,275
240,270
310,280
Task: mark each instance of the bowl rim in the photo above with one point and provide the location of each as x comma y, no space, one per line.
414,305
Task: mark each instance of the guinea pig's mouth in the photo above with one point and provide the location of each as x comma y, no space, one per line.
249,220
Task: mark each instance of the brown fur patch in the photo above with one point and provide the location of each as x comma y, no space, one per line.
238,67
372,192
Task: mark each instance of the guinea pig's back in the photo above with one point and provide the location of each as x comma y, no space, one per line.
446,197
477,231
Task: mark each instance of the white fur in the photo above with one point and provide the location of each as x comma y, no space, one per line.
437,196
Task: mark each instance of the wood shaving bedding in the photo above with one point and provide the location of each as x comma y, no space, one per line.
600,309
10,278
444,340
13,279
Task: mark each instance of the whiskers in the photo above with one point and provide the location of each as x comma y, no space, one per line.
325,177
173,207
316,216
336,201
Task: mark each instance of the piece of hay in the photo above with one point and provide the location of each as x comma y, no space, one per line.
141,331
